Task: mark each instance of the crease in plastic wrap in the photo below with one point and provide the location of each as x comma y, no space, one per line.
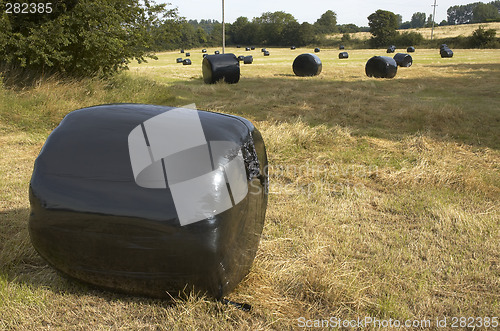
150,200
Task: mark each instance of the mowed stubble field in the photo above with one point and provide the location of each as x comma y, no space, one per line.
384,193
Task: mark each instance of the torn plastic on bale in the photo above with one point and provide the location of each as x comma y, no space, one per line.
94,218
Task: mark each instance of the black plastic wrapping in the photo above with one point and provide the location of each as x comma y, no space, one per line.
410,49
446,52
317,50
241,58
221,67
248,59
182,51
188,54
252,48
381,67
266,53
391,49
341,47
216,52
247,49
307,64
179,60
92,219
343,55
403,60
263,50
293,48
186,62
203,50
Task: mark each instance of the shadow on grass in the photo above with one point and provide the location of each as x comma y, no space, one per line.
455,109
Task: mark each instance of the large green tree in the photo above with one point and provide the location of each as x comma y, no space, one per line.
418,20
327,23
82,38
485,13
383,25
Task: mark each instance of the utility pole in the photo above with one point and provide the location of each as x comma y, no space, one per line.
433,18
224,30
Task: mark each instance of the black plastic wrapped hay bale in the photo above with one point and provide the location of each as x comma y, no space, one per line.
446,52
179,60
182,51
221,67
391,49
317,50
263,50
241,58
410,49
247,49
293,48
252,48
307,64
403,60
248,59
114,199
205,55
188,54
381,67
203,50
238,46
186,62
341,47
343,55
443,46
216,52
266,53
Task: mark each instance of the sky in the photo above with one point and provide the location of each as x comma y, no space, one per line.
348,11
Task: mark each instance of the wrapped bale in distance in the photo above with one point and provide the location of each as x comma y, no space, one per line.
188,54
266,53
381,67
248,59
203,50
241,58
179,60
150,200
186,62
341,47
247,49
221,67
410,49
343,55
446,52
263,50
307,64
443,46
252,48
403,60
317,50
293,48
182,51
205,55
238,46
216,52
391,49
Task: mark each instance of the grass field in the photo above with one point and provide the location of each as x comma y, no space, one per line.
440,32
384,202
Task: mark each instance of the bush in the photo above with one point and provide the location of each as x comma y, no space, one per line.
408,39
482,38
79,38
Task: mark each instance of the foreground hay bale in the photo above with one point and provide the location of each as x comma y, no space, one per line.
343,55
307,64
381,67
403,60
224,67
168,199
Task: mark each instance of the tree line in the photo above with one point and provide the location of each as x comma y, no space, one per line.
100,37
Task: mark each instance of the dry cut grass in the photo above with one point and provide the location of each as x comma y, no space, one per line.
384,197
